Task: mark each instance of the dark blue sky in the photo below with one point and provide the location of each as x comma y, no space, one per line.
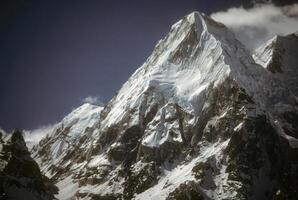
55,53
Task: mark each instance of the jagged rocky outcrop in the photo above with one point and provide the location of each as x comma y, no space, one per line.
198,120
20,176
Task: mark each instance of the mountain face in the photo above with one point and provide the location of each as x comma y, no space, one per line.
279,55
198,120
20,177
66,134
69,143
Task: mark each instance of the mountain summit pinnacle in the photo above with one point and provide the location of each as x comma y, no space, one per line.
279,56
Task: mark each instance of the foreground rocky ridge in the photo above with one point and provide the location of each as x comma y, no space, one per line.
20,176
199,120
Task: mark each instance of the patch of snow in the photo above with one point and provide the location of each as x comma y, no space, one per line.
81,118
292,141
98,160
67,189
239,126
172,178
159,131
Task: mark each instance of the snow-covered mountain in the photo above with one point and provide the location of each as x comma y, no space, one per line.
61,148
67,132
279,55
198,120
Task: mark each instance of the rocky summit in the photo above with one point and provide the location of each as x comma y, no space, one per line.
20,176
200,119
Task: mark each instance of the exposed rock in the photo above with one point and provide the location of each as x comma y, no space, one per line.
186,191
20,176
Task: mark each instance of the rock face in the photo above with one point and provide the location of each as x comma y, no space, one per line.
198,120
20,177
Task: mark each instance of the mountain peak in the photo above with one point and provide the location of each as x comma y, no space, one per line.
201,19
196,55
195,18
279,56
182,120
200,22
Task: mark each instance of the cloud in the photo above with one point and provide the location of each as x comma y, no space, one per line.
32,137
93,100
256,25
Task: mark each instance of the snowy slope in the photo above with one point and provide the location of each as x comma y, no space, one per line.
32,137
198,120
279,55
65,134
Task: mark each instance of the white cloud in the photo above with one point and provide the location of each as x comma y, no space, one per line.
93,100
256,25
32,137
